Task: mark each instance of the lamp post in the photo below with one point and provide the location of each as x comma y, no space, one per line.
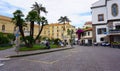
17,41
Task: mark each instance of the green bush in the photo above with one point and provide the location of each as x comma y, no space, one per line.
3,39
56,41
11,36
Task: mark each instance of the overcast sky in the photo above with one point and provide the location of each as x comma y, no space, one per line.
78,11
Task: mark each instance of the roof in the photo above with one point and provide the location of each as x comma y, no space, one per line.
88,29
99,3
5,18
89,22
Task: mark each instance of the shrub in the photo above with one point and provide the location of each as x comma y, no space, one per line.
56,41
3,39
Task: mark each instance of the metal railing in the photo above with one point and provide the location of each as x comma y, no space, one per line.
114,31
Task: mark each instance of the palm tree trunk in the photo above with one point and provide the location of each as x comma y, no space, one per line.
39,32
31,34
21,31
22,34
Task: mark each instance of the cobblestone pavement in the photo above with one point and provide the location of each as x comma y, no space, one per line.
78,59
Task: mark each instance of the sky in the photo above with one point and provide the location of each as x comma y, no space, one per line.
78,11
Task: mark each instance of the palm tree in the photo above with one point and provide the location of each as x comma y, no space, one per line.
70,32
19,22
32,17
64,20
39,8
43,22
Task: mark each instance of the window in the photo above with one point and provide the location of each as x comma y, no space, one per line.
114,9
101,17
101,30
88,33
84,34
3,27
101,39
57,30
117,27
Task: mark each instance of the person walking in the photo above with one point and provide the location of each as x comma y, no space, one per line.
47,44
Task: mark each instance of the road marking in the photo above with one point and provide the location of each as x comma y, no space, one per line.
38,61
1,64
45,62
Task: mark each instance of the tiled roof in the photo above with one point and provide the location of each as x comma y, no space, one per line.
5,18
89,22
88,29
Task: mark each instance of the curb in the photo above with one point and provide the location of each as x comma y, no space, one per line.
49,51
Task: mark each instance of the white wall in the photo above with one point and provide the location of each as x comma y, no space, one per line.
95,12
99,36
99,3
109,4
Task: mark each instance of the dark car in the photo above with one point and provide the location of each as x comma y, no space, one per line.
105,44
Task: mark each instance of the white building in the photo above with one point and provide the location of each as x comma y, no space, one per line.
106,20
86,36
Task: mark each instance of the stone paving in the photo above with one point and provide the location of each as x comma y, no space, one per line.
78,59
12,52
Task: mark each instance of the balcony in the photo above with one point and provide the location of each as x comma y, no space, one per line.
114,31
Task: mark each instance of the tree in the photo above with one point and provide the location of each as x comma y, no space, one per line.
19,22
32,17
70,32
43,21
39,8
79,32
64,20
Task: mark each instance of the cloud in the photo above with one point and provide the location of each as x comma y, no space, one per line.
7,9
78,11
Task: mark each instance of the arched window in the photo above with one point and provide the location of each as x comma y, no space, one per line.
3,28
114,9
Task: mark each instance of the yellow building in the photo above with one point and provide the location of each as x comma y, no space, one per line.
55,30
6,26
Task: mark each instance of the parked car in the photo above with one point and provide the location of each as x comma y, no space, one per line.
95,44
105,44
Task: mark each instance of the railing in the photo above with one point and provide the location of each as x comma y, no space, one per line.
114,31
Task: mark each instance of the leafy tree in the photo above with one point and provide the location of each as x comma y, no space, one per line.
32,17
11,36
19,22
44,22
64,20
39,8
79,32
70,32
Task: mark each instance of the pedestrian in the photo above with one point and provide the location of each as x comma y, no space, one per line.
47,44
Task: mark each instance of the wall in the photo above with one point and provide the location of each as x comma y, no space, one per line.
98,36
109,4
95,12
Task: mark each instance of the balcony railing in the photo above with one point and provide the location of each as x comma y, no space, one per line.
114,31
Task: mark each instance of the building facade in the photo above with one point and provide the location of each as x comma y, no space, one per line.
51,30
6,25
57,30
106,21
87,35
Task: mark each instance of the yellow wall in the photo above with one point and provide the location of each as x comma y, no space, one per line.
54,30
9,26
